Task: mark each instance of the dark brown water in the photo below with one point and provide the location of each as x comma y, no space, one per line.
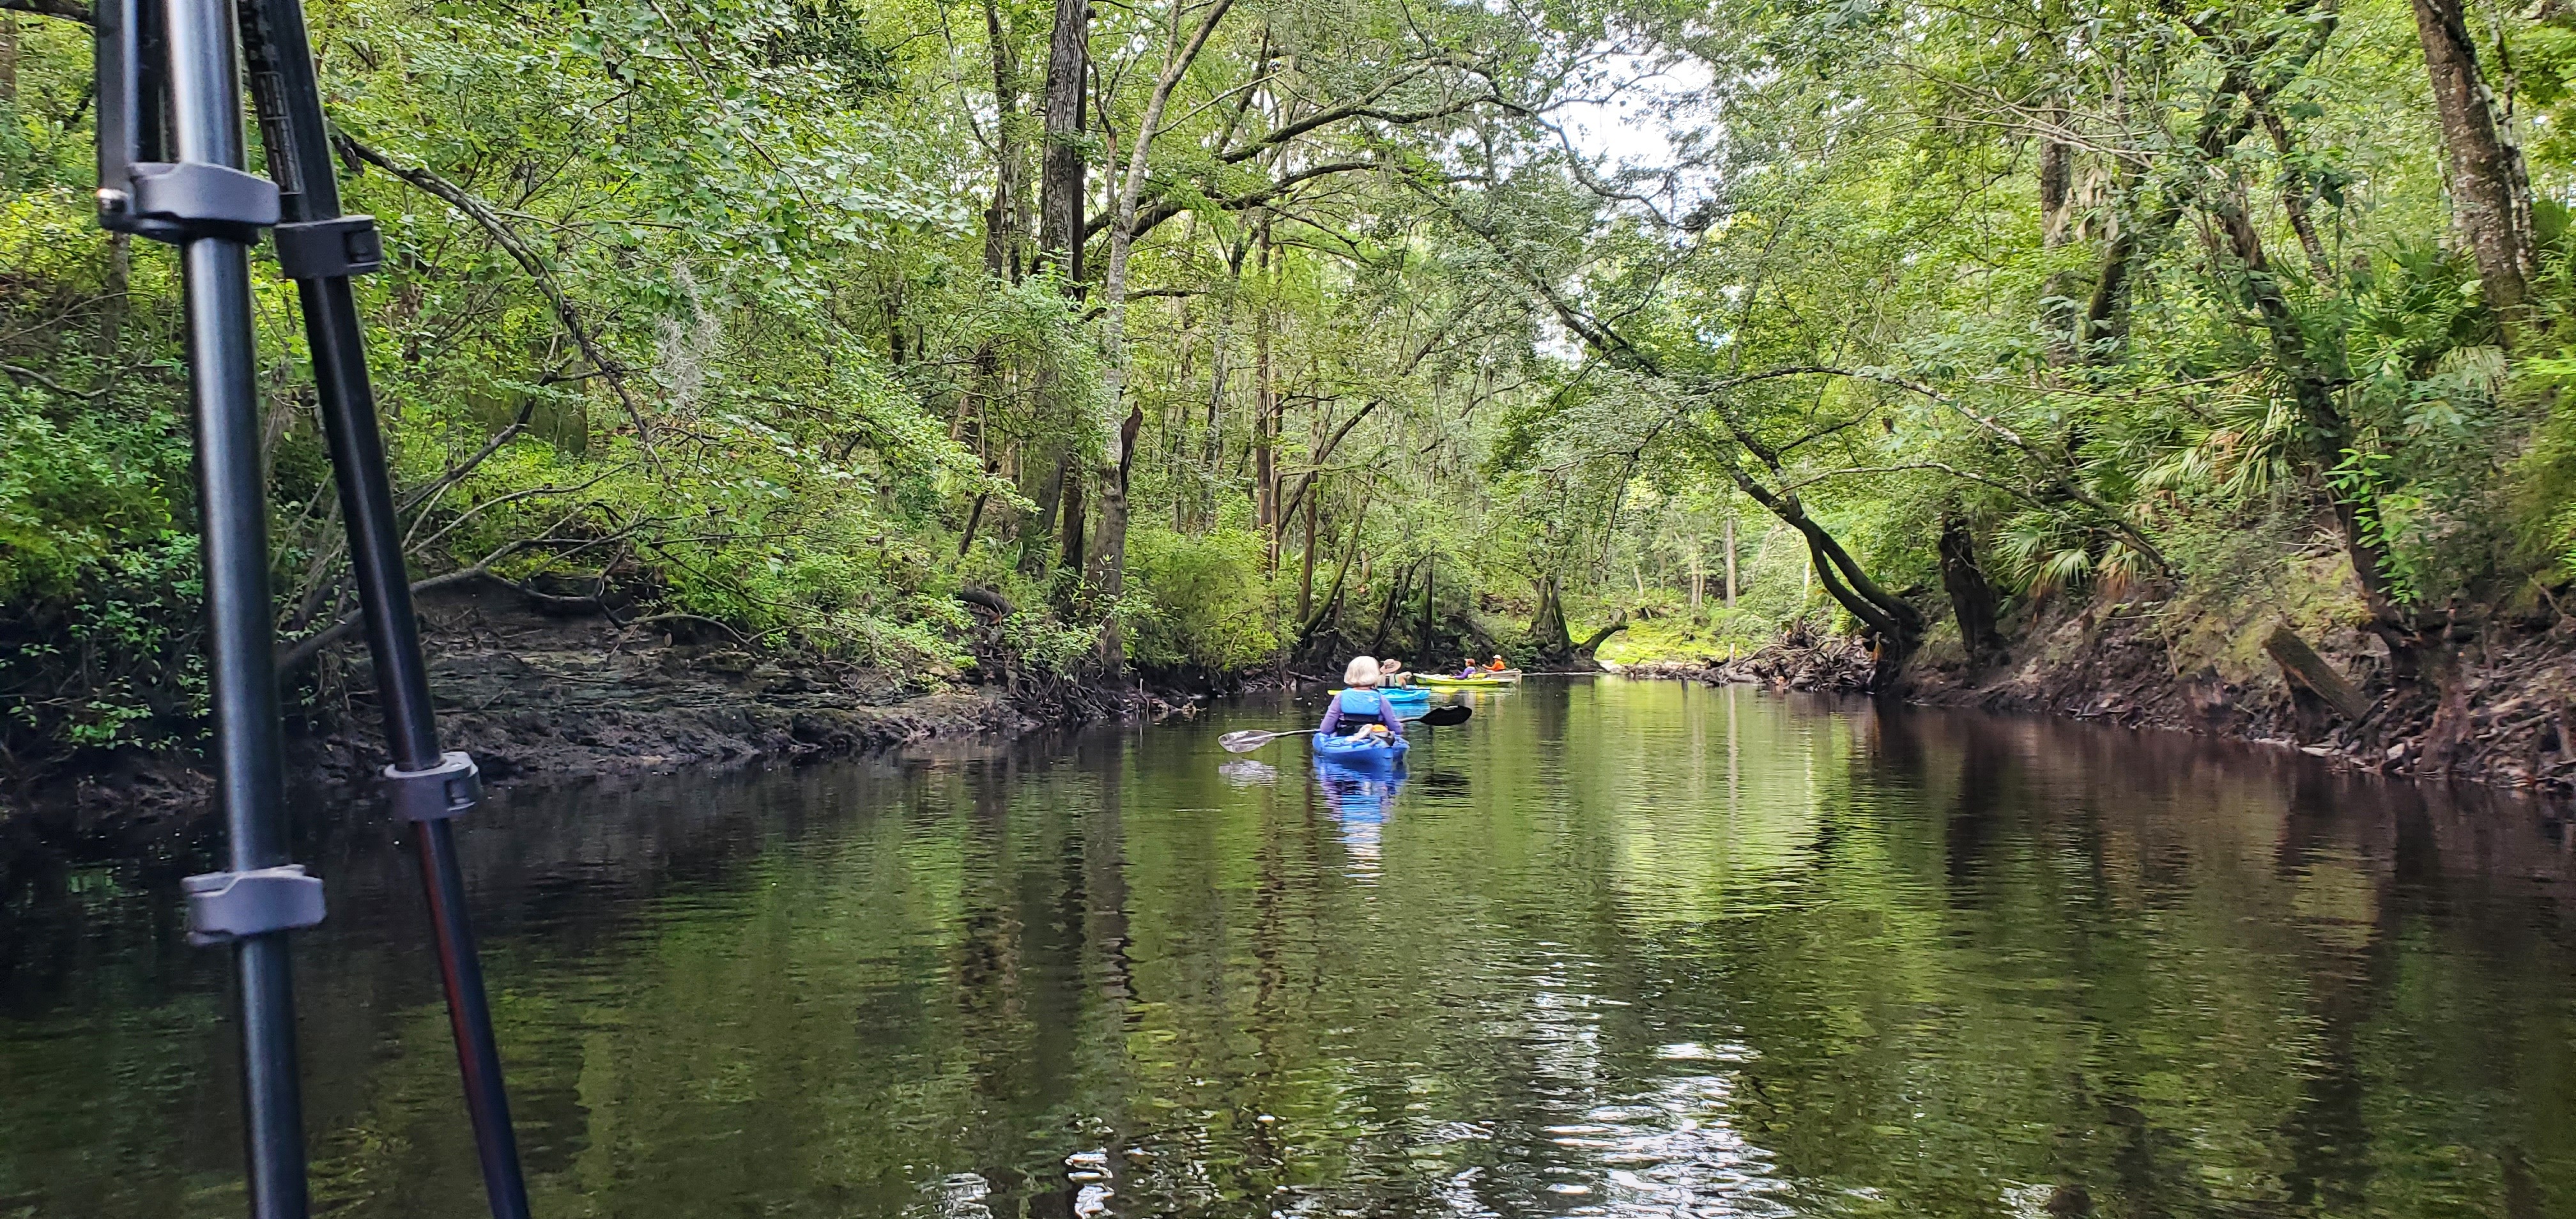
1613,948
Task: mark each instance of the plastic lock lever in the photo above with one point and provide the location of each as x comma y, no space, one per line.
448,789
227,906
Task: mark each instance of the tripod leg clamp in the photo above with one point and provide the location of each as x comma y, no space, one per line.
175,201
329,249
227,906
446,790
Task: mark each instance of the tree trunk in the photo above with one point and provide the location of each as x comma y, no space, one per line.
2490,192
1341,571
974,515
1005,227
2446,739
1972,599
1108,560
1212,460
1395,591
120,273
1069,520
2295,193
2313,389
2056,228
1060,171
1265,412
1549,637
1037,532
1593,642
1107,574
2106,309
2056,189
1897,624
1306,579
1430,595
1730,562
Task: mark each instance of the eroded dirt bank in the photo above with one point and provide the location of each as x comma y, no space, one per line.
540,699
2513,723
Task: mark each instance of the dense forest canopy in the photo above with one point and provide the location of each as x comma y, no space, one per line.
1216,335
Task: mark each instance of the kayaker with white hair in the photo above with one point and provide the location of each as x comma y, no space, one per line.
1355,707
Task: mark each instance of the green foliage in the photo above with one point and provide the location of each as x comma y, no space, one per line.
735,307
1871,319
1202,602
1717,634
74,495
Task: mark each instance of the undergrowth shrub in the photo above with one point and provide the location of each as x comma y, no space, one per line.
1200,602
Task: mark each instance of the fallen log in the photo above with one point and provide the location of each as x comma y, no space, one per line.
2309,671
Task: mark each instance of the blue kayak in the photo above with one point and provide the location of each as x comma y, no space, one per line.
1362,749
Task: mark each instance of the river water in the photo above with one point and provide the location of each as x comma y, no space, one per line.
1612,948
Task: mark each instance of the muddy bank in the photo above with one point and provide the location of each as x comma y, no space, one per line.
2512,723
539,700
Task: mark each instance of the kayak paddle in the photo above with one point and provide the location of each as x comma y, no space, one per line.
1246,742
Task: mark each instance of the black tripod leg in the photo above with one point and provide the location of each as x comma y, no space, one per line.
235,506
402,690
247,904
320,249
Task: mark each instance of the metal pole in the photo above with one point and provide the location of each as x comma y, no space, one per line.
320,248
206,129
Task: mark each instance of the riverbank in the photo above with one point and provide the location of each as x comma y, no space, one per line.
541,699
2512,723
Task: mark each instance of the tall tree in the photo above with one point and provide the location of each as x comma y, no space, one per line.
2490,189
1108,558
1005,219
1062,161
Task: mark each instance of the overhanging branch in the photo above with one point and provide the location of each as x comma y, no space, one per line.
529,260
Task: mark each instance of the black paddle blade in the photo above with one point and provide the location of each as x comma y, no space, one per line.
1443,717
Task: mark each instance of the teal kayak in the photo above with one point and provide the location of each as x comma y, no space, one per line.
1407,701
1360,749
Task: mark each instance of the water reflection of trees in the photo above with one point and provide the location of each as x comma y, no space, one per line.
1670,945
2175,978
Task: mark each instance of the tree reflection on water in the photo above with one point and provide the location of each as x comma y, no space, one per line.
1627,948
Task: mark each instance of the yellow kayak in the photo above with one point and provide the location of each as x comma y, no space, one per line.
1507,677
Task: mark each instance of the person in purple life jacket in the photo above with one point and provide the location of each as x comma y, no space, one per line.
1360,708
